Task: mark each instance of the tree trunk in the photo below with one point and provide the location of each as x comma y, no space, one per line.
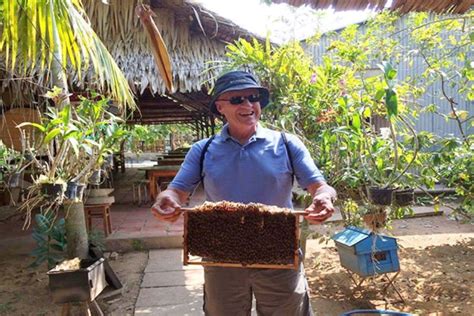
76,233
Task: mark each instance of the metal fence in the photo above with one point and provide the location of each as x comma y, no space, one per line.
430,122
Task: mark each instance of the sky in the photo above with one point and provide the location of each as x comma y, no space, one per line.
281,21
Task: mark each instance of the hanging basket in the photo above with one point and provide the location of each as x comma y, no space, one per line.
380,196
95,177
404,197
52,191
15,180
74,191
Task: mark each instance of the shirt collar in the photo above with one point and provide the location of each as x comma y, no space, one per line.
260,133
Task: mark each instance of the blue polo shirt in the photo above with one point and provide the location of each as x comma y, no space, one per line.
258,171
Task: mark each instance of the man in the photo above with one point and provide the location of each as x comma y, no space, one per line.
248,163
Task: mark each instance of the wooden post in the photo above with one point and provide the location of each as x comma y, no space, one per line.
213,124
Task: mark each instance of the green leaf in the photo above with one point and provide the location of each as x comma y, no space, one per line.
58,247
43,222
51,135
356,122
38,126
40,251
379,94
39,260
38,236
391,102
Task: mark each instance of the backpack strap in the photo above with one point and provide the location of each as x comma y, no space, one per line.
203,155
285,141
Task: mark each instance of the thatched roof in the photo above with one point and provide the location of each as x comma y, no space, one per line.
193,35
404,6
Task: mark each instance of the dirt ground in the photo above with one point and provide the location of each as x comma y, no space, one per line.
437,272
24,291
437,276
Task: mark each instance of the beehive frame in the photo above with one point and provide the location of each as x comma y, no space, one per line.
188,260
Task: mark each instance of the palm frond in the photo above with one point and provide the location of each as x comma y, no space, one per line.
27,44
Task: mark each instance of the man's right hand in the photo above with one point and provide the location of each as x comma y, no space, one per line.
166,208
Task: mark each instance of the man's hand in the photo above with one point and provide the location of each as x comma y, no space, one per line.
320,210
167,207
322,207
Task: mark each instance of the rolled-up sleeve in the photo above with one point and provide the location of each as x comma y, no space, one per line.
189,176
305,169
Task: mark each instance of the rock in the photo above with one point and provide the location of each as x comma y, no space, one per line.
114,256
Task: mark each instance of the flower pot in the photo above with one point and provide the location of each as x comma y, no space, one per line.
95,177
74,191
404,197
380,196
375,221
15,179
108,161
79,285
52,190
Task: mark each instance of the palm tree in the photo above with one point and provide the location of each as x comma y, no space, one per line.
48,40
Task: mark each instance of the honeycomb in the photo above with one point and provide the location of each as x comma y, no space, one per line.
227,232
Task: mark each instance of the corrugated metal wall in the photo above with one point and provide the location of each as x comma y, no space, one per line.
427,121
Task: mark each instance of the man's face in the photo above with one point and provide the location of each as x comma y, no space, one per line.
240,108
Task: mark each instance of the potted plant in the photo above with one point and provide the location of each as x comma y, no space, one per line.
74,138
51,189
11,166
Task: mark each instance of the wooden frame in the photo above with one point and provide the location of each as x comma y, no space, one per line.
295,265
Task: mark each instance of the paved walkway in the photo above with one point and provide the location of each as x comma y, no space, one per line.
168,287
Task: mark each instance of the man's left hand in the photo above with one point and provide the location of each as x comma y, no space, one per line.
320,210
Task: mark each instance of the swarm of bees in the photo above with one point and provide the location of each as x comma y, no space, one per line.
229,232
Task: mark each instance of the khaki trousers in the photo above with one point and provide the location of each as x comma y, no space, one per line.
228,292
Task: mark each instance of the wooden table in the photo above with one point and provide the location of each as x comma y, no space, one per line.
170,157
155,173
170,162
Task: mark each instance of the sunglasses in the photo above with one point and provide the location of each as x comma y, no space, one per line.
240,99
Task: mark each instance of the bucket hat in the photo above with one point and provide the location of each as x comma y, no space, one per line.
234,81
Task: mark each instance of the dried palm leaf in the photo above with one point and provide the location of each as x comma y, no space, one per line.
158,46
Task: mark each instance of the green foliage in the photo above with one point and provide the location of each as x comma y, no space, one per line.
358,120
50,236
97,238
76,138
454,164
35,33
10,161
137,245
142,136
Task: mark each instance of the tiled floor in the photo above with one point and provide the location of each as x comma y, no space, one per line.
129,221
133,221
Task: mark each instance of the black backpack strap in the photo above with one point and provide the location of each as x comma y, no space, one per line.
203,155
285,141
